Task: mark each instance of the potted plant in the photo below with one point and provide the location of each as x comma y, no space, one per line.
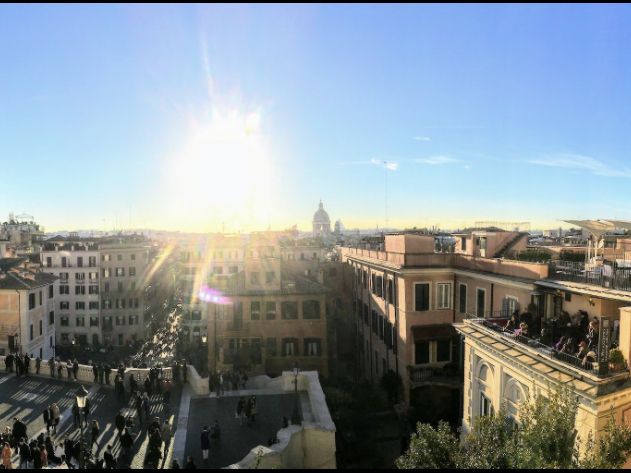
616,360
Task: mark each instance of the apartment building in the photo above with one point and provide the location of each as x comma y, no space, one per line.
27,309
407,296
101,288
502,367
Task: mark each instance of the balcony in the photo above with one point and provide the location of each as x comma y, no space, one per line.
596,369
448,375
609,276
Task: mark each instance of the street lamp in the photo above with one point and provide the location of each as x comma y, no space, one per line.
295,416
82,396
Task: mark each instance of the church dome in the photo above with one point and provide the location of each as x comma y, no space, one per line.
321,217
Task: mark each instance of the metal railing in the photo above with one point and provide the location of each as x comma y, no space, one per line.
572,271
546,350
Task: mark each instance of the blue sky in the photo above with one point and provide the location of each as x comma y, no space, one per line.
516,113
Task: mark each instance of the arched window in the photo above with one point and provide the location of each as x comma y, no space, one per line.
485,375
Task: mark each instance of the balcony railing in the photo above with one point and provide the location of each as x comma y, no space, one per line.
610,276
550,351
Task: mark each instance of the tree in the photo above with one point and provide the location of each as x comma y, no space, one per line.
545,437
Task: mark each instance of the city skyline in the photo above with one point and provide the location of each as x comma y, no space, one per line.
198,118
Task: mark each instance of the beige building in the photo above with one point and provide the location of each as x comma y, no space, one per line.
407,296
101,288
27,309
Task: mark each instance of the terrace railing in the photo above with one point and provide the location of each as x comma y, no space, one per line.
614,278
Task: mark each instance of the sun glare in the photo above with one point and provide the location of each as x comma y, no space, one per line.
223,173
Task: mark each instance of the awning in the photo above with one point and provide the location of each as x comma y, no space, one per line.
433,332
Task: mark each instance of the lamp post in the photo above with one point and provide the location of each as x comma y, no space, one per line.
82,396
295,416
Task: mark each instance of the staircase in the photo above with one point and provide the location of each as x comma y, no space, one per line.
509,244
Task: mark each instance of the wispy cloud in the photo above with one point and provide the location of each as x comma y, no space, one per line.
581,162
422,138
390,165
437,160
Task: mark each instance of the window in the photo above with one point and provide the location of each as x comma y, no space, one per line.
421,353
91,261
107,303
107,272
41,327
49,261
390,290
254,278
31,301
94,321
421,296
63,277
132,271
80,321
133,256
509,306
233,269
444,296
64,289
120,320
80,262
443,350
94,276
64,262
93,289
133,320
64,321
41,298
51,292
80,305
378,290
79,277
237,315
375,330
271,346
312,347
486,408
106,287
31,332
51,317
120,272
270,309
480,302
255,310
64,305
119,257
290,347
107,258
462,298
463,244
311,309
93,305
269,277
120,286
132,286
79,290
289,310
568,297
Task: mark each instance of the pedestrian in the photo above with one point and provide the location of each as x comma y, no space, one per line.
27,363
215,431
59,368
43,458
108,370
86,410
120,422
75,368
101,373
69,368
95,433
133,385
146,406
166,391
205,442
51,365
25,454
95,372
165,432
190,464
127,442
184,371
38,364
252,403
56,415
109,458
47,419
76,414
240,413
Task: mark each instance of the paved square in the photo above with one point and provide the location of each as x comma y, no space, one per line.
236,440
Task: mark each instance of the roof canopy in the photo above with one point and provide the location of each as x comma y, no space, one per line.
599,227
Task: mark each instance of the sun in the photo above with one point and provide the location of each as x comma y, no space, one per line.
223,174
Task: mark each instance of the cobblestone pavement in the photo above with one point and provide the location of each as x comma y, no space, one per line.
236,440
27,397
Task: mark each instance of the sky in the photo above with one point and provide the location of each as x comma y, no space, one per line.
242,117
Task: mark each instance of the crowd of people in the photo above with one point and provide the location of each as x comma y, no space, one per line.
220,381
574,335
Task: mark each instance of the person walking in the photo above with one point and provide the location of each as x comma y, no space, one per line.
51,365
38,364
96,430
252,403
76,414
75,368
109,458
6,456
47,419
241,410
120,423
166,435
95,372
127,442
56,415
86,410
205,443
